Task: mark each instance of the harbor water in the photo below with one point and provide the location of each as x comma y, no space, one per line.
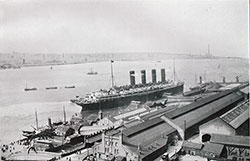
17,107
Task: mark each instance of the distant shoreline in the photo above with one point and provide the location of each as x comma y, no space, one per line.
13,61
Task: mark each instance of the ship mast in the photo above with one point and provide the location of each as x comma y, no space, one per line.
64,114
112,75
174,70
36,120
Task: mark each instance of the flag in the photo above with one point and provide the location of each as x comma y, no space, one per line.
112,61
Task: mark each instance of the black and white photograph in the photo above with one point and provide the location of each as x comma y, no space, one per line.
124,80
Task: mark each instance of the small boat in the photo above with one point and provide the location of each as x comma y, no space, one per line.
29,89
51,88
69,86
91,72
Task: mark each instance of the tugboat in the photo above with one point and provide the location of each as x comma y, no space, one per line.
91,72
123,95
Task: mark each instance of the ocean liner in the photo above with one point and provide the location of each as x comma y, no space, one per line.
123,95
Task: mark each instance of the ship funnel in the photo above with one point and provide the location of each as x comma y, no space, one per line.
200,79
143,76
132,77
49,122
224,79
163,75
153,75
237,79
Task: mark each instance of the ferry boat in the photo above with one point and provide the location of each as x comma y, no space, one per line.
123,95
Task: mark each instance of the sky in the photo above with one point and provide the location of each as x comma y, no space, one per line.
97,26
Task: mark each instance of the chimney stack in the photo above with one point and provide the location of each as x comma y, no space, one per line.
153,76
163,75
132,77
143,76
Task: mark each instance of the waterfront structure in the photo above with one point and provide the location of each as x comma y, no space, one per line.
149,139
188,119
128,118
149,133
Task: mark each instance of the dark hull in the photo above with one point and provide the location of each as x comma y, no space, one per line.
30,89
123,101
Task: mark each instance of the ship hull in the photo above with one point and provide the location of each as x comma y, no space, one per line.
126,100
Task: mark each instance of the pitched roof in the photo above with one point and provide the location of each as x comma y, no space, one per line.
213,148
193,145
179,112
145,150
211,122
206,111
151,134
238,115
245,90
230,140
143,126
195,105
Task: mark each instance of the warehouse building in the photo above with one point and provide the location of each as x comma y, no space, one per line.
144,142
192,120
206,150
151,137
238,147
245,91
233,122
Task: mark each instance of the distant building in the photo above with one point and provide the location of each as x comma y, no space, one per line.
207,150
213,151
191,148
217,126
238,147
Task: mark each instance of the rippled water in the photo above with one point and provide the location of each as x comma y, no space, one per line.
18,106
